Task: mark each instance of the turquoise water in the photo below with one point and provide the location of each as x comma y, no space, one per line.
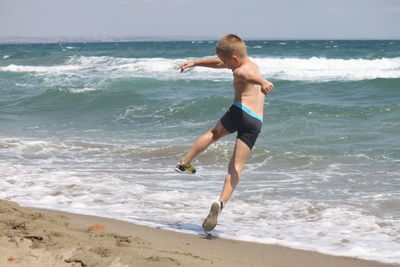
97,128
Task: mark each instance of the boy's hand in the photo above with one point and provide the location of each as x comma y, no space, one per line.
266,87
189,64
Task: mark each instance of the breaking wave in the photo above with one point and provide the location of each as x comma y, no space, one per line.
295,69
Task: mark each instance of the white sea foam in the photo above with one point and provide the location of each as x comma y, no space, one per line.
119,181
81,90
309,69
41,69
338,230
316,68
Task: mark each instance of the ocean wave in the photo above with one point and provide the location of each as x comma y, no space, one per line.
301,69
80,90
319,68
41,69
126,180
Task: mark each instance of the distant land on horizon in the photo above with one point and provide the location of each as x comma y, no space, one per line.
100,39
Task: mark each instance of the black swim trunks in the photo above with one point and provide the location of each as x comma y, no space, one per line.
244,121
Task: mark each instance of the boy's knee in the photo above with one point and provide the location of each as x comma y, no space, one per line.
216,134
236,168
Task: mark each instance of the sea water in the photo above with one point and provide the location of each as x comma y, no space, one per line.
97,128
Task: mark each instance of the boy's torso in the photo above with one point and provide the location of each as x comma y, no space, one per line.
248,94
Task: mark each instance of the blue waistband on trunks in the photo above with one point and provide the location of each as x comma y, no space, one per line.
248,111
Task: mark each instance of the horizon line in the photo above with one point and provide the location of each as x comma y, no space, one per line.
162,38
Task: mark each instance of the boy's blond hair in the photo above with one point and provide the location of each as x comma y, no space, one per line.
231,44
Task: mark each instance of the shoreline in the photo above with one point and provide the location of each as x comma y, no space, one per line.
30,236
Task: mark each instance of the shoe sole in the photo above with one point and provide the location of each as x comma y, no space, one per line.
211,221
178,170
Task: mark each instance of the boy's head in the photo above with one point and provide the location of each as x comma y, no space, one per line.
230,45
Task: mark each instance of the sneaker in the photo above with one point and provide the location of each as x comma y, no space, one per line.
211,221
182,168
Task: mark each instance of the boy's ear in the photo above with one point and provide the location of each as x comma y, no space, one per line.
235,58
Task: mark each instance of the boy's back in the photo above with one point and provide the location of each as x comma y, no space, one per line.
248,94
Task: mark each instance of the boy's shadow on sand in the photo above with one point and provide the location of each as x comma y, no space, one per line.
198,229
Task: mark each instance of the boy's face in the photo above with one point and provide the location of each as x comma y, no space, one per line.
232,62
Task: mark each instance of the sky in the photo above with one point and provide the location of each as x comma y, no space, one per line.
259,19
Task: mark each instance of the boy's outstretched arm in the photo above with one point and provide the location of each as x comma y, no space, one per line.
215,63
266,86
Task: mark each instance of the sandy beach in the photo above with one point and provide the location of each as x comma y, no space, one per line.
31,237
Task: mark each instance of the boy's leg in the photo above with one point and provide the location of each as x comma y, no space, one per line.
203,142
235,168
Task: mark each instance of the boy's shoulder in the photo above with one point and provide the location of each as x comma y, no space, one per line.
247,68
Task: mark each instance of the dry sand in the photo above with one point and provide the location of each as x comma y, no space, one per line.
31,237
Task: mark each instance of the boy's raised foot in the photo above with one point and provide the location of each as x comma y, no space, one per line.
211,221
185,169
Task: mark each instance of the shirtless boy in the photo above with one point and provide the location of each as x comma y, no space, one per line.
244,116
